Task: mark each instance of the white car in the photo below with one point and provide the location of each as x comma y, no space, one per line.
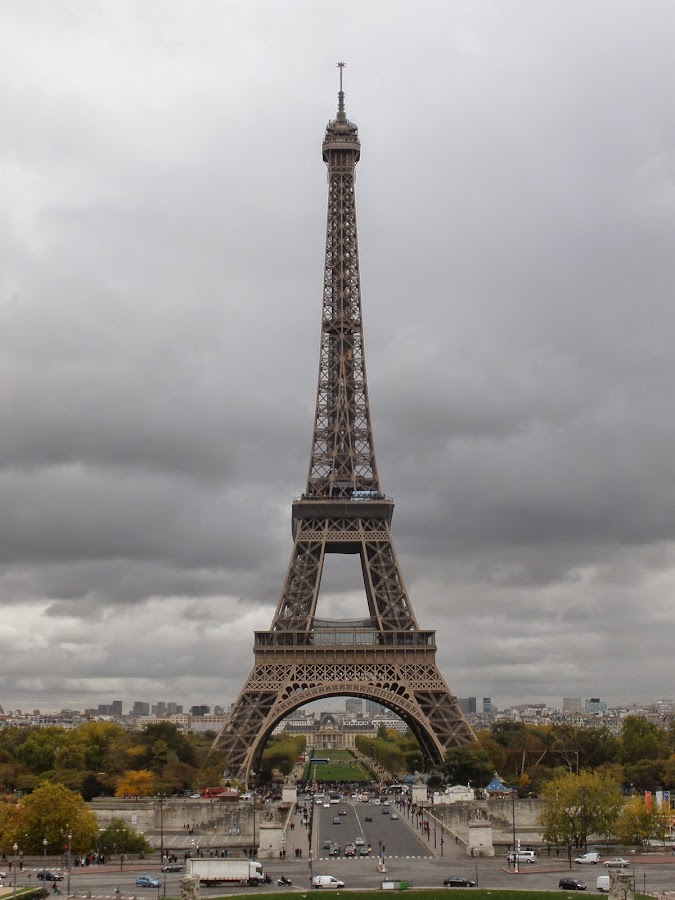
617,862
327,881
591,858
359,842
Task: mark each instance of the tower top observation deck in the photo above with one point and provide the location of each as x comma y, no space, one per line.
341,134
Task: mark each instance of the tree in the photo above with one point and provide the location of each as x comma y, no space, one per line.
472,764
639,822
641,739
140,783
578,805
117,837
52,812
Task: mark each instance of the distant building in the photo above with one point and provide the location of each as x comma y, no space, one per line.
200,710
140,708
117,708
488,708
374,709
571,705
595,705
467,705
354,706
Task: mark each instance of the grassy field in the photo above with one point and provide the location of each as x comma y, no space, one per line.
342,767
417,894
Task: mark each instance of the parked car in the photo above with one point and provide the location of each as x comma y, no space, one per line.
458,881
147,881
172,867
590,858
49,876
572,884
327,881
617,862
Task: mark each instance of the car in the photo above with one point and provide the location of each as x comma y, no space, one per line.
591,858
326,804
343,812
369,819
335,850
458,881
327,844
376,801
572,884
350,850
526,856
195,796
385,811
49,876
359,842
386,803
147,881
327,881
617,862
364,851
337,820
393,816
172,867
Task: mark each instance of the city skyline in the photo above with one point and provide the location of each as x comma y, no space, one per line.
162,239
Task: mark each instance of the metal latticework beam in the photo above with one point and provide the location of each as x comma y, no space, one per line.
386,657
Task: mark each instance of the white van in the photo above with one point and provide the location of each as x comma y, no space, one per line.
327,881
602,884
590,858
523,856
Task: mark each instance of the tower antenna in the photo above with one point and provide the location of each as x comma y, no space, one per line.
341,96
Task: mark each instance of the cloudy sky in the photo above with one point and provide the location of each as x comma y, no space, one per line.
161,250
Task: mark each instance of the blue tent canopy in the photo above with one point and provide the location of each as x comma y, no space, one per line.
497,786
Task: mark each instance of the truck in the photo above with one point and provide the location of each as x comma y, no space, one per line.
220,871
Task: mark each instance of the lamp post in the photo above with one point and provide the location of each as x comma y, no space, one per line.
70,838
44,864
15,849
513,820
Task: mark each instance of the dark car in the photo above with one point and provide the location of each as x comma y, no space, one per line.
369,818
335,850
172,867
49,876
337,820
572,884
458,881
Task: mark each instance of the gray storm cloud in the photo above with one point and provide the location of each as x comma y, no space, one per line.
161,240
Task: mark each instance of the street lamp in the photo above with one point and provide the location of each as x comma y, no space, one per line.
44,864
513,819
70,838
15,849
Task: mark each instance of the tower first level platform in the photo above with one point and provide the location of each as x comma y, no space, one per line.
395,668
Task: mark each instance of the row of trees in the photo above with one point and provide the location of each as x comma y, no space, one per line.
576,806
59,816
394,751
642,757
102,758
280,755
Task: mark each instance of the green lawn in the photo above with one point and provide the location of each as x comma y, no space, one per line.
342,767
417,894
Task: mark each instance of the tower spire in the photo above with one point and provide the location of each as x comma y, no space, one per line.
341,115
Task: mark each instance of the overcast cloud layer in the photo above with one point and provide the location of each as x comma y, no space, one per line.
161,248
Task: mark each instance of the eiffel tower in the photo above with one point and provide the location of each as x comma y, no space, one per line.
385,657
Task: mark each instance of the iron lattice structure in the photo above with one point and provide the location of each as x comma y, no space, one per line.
385,657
